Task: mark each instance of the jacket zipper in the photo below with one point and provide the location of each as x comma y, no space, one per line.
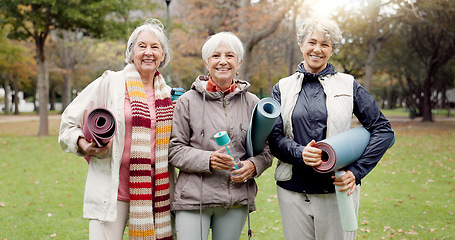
229,180
226,116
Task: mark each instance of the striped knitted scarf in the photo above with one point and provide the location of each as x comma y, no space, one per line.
149,212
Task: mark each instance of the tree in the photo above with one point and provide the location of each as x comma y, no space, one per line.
419,53
267,18
35,20
69,52
371,27
431,36
15,65
435,46
251,21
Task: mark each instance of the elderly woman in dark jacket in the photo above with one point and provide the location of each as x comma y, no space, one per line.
206,193
318,102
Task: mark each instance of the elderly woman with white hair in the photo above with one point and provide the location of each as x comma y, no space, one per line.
128,179
209,193
318,102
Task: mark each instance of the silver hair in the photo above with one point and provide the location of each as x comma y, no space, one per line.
329,28
156,27
227,38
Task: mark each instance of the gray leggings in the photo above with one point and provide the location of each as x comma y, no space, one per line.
317,218
227,224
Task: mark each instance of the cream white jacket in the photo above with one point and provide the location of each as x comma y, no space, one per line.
107,91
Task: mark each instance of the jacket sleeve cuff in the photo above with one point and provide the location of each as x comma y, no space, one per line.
261,163
75,148
207,168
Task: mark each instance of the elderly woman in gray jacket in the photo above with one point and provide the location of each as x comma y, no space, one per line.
207,193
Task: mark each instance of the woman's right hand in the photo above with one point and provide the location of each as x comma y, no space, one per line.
90,148
312,156
219,160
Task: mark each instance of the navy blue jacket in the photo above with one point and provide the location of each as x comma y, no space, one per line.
309,121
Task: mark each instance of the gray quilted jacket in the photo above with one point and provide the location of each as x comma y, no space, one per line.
198,115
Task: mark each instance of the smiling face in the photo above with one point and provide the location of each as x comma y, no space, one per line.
317,51
222,66
147,54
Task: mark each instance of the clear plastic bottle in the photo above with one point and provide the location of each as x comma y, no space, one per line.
346,207
222,139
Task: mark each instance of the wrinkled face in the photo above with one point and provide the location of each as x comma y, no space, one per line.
222,65
148,53
317,51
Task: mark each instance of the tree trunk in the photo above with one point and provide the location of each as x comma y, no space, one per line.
292,45
66,91
16,94
255,38
373,49
52,97
43,88
427,116
7,101
244,69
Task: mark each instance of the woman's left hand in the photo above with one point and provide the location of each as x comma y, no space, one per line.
244,173
346,182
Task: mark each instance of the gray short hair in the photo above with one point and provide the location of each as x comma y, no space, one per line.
156,27
329,28
227,38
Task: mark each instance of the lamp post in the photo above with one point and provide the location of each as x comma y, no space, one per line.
168,75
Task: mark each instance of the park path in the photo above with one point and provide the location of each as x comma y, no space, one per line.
25,117
35,117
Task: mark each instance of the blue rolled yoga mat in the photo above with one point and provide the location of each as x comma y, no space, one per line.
343,149
262,121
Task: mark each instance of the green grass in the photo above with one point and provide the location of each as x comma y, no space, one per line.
41,190
409,195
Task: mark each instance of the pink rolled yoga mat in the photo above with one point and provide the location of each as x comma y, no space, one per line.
99,127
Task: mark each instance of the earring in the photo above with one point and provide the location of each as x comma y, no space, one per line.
237,73
208,74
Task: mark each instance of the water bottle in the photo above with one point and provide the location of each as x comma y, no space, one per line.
222,139
346,207
176,93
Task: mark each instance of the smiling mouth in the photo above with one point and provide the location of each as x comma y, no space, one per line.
316,57
148,61
223,69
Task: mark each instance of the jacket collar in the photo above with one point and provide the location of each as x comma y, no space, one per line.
200,85
328,70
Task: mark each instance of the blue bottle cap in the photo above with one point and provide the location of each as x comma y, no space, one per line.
222,138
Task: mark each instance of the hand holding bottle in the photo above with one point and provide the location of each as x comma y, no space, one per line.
222,139
220,160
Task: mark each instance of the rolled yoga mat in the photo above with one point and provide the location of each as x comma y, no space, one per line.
343,149
262,121
99,127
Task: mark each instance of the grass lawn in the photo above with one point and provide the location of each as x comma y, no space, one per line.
409,195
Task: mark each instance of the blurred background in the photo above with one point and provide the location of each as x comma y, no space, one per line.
399,50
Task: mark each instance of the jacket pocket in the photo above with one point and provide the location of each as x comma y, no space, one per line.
190,186
342,95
